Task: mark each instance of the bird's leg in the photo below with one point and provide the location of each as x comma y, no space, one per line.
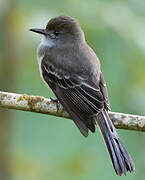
55,100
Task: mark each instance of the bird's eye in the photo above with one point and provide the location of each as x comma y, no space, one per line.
56,33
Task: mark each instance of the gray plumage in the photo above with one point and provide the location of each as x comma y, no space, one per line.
72,70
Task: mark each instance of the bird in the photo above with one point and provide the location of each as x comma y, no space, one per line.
73,72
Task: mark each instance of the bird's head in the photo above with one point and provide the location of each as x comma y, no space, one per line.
62,29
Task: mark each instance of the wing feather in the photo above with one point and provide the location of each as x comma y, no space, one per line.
80,97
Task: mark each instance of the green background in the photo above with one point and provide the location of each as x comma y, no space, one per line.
35,146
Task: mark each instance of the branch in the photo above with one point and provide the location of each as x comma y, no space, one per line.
43,105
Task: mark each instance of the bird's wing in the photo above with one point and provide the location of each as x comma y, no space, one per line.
81,98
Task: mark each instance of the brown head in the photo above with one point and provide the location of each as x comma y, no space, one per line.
62,29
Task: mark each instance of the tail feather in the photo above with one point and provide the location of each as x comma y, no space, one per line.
121,160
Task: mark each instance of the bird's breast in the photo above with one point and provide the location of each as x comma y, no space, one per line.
39,59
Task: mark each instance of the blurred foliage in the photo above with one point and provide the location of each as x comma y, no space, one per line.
45,147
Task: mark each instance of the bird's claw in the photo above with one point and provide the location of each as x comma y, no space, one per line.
55,100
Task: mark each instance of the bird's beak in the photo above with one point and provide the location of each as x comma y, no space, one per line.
40,31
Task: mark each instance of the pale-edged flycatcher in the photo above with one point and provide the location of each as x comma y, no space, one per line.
72,70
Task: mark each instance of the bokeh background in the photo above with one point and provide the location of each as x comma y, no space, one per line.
35,146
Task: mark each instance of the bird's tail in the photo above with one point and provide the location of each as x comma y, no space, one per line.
121,160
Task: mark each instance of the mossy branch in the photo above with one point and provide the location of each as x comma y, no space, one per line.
43,105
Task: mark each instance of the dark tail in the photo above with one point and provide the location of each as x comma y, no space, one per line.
121,160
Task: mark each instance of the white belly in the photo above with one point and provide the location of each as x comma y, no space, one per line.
39,59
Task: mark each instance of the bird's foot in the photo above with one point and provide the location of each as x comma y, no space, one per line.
55,100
